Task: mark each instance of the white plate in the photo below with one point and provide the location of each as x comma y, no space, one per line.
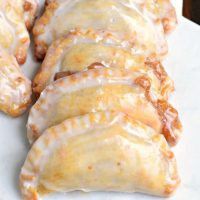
183,64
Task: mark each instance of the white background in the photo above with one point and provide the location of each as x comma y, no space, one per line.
178,5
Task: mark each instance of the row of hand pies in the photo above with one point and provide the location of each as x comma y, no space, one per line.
102,120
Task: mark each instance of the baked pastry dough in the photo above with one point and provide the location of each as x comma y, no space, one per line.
127,20
30,9
13,33
15,88
167,14
79,50
103,89
99,152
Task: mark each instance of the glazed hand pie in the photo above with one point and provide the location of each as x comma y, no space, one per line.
126,20
99,90
99,152
79,50
15,88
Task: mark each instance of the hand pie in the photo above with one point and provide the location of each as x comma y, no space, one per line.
15,88
99,90
99,152
13,33
79,50
30,8
121,18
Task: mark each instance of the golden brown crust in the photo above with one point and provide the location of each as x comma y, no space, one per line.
168,114
30,9
167,14
159,71
168,23
41,46
40,50
60,75
27,8
21,55
170,189
19,111
170,120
